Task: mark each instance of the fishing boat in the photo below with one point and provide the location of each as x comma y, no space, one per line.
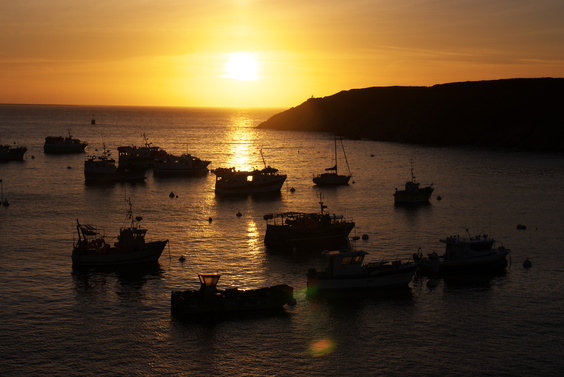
11,153
103,168
92,249
331,177
413,193
63,145
229,181
209,302
183,165
302,230
145,156
472,253
345,270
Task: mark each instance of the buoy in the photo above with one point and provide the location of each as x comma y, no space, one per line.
210,219
32,157
5,203
527,263
69,167
292,190
439,197
521,227
239,214
171,195
182,258
372,155
365,236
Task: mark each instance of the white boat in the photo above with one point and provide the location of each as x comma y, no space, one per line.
413,193
63,145
345,270
229,181
331,177
103,168
130,247
183,165
464,253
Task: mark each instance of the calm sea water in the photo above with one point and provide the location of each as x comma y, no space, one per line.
55,321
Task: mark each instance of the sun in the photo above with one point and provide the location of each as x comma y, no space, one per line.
242,66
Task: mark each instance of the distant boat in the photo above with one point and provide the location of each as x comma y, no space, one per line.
464,253
103,168
413,193
332,177
344,270
91,248
62,145
230,181
210,303
302,230
183,165
11,153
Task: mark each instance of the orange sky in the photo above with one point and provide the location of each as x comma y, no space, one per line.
176,52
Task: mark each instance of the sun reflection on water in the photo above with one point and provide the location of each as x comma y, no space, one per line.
243,152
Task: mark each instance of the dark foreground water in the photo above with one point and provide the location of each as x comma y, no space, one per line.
55,321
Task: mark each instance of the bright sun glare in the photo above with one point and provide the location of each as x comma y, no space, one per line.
242,66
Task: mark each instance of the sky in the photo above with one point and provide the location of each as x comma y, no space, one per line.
264,53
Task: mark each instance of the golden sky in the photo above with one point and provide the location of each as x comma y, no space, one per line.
264,53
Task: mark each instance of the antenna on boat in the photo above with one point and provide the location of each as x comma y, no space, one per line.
321,202
262,156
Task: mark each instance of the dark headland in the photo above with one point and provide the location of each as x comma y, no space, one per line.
525,114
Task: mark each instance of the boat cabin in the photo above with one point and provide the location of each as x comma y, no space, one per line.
208,282
344,263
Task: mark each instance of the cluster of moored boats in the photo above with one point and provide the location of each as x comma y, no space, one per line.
344,270
133,162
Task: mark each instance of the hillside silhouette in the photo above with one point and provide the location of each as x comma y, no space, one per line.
524,114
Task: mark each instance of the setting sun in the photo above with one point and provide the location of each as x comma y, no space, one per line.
242,66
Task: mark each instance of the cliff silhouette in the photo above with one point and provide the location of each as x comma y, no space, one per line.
526,114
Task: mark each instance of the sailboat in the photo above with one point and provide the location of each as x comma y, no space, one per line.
331,177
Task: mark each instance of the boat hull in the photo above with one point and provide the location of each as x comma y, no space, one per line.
284,237
64,148
422,196
124,175
8,153
230,302
495,260
150,253
330,179
271,185
377,279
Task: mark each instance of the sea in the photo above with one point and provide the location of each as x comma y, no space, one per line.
57,321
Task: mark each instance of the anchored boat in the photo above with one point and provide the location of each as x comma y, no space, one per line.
345,270
209,302
92,249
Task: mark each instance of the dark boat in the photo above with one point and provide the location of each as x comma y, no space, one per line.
331,177
103,168
179,166
210,302
92,249
11,153
145,156
63,145
413,193
464,254
301,230
230,181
